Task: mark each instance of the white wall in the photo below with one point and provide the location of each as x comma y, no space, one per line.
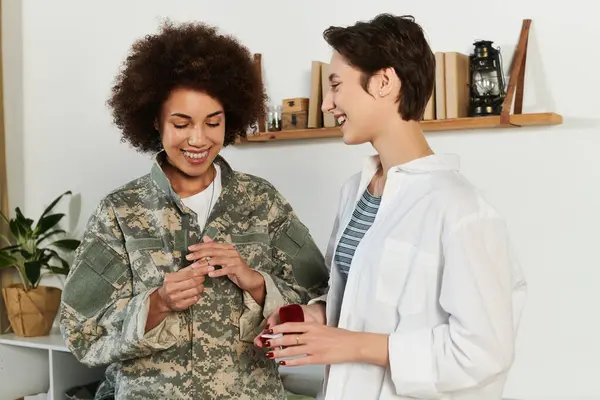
545,180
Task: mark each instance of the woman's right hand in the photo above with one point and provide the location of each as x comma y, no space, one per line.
179,291
312,313
182,289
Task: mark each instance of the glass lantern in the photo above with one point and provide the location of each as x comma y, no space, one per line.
486,80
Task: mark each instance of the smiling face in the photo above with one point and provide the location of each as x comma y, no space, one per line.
362,113
192,127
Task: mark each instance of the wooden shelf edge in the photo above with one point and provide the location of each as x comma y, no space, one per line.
516,120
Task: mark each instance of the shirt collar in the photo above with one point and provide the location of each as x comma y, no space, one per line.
431,163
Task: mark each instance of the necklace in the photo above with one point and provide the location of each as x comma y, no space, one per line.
208,209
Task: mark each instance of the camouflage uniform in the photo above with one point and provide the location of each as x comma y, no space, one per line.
140,232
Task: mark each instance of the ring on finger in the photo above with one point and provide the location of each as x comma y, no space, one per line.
297,340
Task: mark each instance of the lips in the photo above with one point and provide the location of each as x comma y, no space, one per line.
195,157
340,118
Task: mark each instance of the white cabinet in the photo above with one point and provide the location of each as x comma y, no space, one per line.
40,365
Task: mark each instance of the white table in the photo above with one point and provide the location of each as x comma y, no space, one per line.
40,365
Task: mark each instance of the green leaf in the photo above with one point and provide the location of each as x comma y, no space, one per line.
47,223
17,230
6,260
11,248
25,254
33,269
5,238
59,270
54,254
67,244
51,206
25,222
47,235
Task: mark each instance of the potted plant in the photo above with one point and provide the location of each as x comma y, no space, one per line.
33,251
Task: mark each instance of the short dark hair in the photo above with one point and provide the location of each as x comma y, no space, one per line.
390,41
192,56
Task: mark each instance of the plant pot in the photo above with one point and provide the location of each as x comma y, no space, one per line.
32,312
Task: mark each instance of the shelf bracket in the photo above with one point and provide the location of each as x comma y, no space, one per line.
516,77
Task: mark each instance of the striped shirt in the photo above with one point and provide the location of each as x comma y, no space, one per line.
362,219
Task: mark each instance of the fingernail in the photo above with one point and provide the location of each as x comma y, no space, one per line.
268,343
281,362
269,331
269,354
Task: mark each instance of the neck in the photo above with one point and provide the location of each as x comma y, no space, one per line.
401,142
185,185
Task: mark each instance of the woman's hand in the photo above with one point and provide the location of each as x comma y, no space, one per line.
209,254
320,344
182,289
312,313
179,291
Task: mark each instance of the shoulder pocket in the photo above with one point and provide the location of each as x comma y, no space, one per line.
99,272
293,238
308,262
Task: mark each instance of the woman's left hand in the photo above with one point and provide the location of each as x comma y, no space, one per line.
232,264
320,344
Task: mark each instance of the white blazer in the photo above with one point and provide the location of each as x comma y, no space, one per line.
435,272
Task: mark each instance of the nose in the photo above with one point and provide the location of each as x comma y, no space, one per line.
196,135
328,103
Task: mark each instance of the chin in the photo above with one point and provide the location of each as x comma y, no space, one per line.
353,138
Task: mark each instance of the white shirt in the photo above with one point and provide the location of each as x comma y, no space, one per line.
203,202
435,272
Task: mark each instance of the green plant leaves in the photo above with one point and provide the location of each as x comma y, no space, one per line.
27,252
7,260
66,244
46,223
48,234
51,206
33,271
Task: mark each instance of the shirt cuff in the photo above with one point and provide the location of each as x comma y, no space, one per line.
162,336
254,316
411,363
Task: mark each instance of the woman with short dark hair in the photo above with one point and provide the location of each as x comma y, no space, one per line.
425,296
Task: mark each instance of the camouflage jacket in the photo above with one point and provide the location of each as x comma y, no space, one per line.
140,232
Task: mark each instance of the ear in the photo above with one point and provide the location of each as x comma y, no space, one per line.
156,124
388,82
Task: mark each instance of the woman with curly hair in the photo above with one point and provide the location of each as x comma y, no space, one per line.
178,269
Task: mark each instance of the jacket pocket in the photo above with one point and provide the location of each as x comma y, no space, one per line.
403,279
149,260
99,272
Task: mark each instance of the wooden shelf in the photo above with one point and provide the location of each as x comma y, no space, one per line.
516,120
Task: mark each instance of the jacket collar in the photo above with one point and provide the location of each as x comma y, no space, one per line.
161,180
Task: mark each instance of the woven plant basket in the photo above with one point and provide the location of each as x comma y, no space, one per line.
32,312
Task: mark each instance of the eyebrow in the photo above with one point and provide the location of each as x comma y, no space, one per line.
214,114
332,76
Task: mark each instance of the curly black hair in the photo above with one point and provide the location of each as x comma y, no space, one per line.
192,55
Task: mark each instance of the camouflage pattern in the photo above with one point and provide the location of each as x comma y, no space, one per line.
140,232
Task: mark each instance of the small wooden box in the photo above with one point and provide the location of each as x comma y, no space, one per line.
294,105
294,120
